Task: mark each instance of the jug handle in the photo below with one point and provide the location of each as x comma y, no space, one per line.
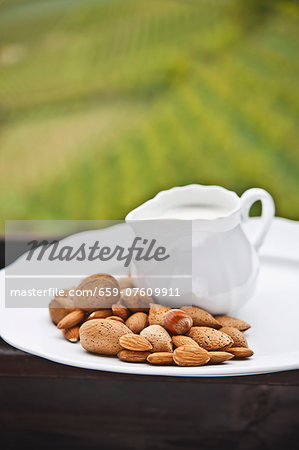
268,209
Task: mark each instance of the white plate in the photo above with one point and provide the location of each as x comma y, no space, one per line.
273,313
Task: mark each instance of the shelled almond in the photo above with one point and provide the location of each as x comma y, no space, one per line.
71,334
219,357
189,355
135,342
137,330
133,356
71,319
160,358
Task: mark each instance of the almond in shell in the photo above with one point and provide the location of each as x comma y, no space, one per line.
96,292
189,355
210,339
201,318
120,310
137,322
102,336
237,336
125,283
136,302
158,337
227,321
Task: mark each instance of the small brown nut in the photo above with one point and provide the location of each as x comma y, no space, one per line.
100,314
96,292
227,321
180,340
239,340
60,307
201,318
177,321
137,322
72,319
210,339
240,352
189,355
102,336
71,334
135,342
219,357
131,356
119,319
160,358
120,310
156,314
158,337
125,283
136,302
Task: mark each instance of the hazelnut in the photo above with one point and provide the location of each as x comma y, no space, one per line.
177,321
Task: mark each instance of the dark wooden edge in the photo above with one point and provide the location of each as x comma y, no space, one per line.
16,363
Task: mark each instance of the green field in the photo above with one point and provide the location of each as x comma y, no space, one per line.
104,103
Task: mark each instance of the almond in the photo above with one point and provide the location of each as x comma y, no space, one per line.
102,336
119,319
158,337
72,319
219,357
240,352
71,334
160,358
227,321
131,356
125,283
156,314
135,342
180,340
136,302
210,339
189,355
120,310
100,314
177,321
201,318
60,307
136,322
237,336
96,292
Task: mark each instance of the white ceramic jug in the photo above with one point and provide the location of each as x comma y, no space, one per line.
225,264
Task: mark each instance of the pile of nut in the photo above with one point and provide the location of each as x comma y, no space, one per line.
138,330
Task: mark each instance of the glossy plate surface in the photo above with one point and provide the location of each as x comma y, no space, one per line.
273,311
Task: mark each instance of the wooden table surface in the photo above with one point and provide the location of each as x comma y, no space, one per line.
49,405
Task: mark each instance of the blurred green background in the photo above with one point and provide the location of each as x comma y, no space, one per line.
103,103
